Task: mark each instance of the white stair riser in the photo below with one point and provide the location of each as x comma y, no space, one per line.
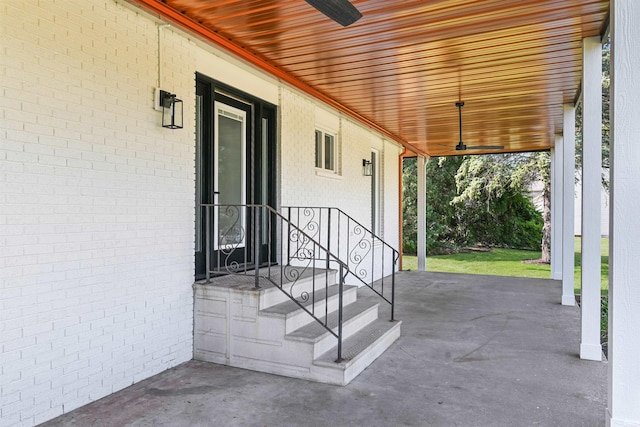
343,376
289,361
301,318
274,296
348,329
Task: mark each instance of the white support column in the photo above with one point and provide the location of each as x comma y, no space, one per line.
568,189
590,347
624,233
556,209
421,240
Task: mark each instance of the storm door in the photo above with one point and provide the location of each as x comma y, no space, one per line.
235,170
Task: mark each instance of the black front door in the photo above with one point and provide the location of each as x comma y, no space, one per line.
235,166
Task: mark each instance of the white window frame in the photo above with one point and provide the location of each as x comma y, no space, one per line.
320,158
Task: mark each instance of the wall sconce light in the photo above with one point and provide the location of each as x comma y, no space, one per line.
367,167
171,110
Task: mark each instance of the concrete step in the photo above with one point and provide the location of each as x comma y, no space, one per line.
301,279
296,317
237,325
358,352
355,316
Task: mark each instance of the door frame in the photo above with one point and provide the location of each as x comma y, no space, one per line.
260,153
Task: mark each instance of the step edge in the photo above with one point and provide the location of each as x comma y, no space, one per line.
326,333
346,364
266,312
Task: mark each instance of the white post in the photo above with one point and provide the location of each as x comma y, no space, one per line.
422,214
624,233
590,347
556,209
568,184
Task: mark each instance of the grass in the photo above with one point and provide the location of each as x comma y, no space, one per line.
508,262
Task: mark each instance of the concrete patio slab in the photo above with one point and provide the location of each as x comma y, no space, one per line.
474,351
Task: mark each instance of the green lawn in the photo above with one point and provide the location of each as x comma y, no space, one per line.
506,262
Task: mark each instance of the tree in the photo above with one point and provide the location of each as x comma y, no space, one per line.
507,177
409,206
443,218
456,219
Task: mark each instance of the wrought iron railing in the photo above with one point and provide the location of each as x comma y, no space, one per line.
367,257
259,243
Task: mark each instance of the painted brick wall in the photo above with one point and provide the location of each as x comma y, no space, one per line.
97,200
303,185
349,190
96,206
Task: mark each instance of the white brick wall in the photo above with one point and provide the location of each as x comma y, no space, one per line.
96,206
302,185
97,200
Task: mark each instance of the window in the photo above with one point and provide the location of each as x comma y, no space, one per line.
325,151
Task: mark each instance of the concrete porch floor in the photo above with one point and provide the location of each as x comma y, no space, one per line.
474,351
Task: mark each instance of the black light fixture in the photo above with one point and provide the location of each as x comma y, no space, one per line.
367,167
171,110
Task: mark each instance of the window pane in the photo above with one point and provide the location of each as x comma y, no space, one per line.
318,149
230,177
329,152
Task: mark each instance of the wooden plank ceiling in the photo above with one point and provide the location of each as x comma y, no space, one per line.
405,63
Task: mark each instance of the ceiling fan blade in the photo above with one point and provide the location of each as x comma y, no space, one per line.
341,11
485,147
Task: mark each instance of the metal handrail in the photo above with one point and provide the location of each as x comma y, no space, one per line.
312,220
238,227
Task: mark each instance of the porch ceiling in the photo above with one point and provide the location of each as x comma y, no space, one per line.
404,64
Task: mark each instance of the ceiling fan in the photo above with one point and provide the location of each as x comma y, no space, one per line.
461,146
341,11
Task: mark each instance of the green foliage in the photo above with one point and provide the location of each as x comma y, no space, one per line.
445,226
484,178
493,188
409,206
473,200
510,221
443,218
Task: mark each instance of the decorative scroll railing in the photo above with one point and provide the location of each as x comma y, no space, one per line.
367,257
259,243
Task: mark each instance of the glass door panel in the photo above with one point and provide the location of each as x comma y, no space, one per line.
230,176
